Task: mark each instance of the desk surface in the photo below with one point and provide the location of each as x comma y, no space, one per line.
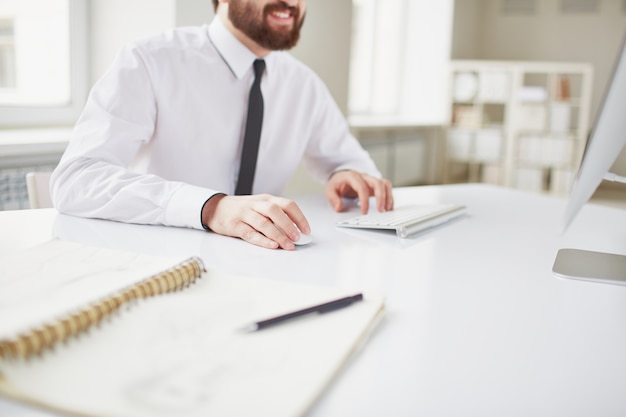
476,322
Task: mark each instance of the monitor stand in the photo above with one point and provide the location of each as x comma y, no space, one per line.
585,265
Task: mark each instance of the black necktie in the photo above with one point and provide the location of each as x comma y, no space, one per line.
252,135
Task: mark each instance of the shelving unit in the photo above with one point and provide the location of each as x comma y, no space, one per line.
518,124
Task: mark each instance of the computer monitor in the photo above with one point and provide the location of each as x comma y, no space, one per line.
606,140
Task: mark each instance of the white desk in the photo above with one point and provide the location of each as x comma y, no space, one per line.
476,323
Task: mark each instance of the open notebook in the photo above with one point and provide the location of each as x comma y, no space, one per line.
181,353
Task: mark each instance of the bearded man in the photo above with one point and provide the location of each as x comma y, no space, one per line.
163,136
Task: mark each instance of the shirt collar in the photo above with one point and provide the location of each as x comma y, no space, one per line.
236,55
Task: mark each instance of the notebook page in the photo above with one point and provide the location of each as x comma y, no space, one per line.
45,282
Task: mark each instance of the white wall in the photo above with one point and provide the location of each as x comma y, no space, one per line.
325,44
115,22
465,29
193,12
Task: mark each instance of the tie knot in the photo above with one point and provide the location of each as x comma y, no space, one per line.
259,66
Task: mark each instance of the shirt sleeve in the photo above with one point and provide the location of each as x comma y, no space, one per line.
333,148
94,178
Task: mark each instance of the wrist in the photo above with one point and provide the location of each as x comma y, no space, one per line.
208,209
337,172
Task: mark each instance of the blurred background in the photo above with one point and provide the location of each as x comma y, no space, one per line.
495,91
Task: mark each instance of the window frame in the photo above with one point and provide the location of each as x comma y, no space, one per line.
63,115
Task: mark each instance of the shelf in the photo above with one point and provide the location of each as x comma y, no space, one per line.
519,124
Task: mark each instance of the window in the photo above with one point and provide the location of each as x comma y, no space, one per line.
42,61
399,62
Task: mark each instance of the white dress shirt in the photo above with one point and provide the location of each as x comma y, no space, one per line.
162,130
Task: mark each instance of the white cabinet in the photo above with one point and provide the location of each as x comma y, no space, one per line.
518,124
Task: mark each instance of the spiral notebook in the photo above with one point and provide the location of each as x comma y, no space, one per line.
107,346
59,289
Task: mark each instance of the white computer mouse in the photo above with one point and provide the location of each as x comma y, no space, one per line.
304,240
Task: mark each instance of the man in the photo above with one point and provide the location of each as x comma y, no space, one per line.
160,139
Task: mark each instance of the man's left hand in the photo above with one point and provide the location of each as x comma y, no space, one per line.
353,184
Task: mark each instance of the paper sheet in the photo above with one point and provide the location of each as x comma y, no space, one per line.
40,284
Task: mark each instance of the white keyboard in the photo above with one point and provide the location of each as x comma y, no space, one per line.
406,220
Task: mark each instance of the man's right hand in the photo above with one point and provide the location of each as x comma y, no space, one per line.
263,220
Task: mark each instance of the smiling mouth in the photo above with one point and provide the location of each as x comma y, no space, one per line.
281,14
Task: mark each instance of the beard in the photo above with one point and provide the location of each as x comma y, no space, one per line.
252,21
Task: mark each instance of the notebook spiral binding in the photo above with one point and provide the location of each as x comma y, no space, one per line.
36,341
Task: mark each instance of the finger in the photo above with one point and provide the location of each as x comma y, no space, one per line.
390,200
333,198
382,193
362,189
338,187
286,217
250,235
295,215
271,221
348,184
